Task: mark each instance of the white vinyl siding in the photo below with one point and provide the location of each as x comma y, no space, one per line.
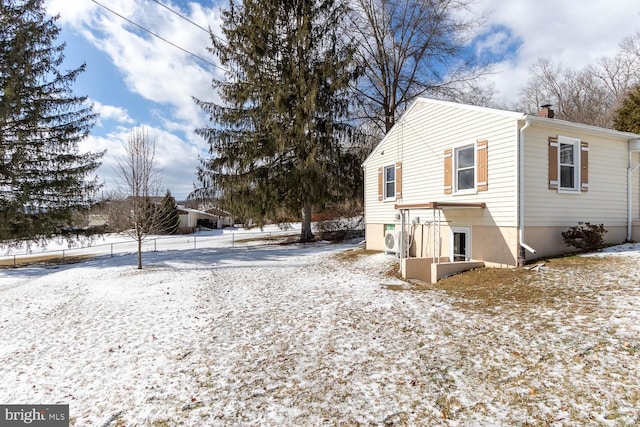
419,141
605,200
635,189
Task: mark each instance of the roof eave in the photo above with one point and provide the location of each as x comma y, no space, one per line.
579,127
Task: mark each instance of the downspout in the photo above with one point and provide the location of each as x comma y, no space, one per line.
523,245
634,147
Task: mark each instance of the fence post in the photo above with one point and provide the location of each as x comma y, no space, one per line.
112,250
155,249
194,241
63,254
14,260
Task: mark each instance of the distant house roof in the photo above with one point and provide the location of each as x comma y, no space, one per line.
183,210
192,204
218,212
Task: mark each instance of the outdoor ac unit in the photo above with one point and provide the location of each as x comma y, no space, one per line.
392,241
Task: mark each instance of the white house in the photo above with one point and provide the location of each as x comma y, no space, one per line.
211,218
458,186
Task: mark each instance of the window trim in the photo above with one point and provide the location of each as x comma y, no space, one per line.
385,183
577,152
455,151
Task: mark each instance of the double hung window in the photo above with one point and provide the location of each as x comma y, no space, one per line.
465,168
389,182
568,164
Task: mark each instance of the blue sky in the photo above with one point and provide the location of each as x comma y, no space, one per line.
135,79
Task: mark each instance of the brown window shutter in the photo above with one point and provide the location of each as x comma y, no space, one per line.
380,191
448,171
483,166
398,180
584,166
553,164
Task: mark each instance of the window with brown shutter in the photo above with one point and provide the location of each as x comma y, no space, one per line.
553,163
584,166
398,180
568,164
448,171
390,182
482,183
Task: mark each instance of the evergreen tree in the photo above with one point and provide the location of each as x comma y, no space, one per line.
43,178
168,214
627,117
279,137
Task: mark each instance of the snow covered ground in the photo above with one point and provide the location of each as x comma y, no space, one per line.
317,335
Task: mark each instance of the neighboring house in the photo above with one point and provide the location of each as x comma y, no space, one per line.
192,218
223,218
212,218
459,186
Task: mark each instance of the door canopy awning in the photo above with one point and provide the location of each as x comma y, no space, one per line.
442,205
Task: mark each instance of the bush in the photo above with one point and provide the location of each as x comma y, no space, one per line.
585,238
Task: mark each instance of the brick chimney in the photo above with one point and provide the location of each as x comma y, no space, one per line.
546,111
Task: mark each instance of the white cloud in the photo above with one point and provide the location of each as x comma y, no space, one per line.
495,43
175,159
576,34
156,71
70,12
110,112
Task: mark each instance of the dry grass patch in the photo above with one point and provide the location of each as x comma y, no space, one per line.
43,260
354,254
573,261
489,288
270,240
352,258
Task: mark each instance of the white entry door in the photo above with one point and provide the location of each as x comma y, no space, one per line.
460,244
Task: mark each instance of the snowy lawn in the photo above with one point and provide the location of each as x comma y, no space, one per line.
322,335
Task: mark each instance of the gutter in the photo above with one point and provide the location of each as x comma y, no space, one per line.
521,242
634,147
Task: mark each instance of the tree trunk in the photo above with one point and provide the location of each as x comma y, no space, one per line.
306,235
389,118
139,254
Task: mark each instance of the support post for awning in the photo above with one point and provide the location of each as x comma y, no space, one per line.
435,242
401,235
439,235
437,220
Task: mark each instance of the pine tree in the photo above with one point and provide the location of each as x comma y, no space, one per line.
44,180
279,138
627,117
168,214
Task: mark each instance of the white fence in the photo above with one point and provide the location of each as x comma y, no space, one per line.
126,245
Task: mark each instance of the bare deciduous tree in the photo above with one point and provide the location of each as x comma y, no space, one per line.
590,95
630,46
141,181
577,96
408,48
